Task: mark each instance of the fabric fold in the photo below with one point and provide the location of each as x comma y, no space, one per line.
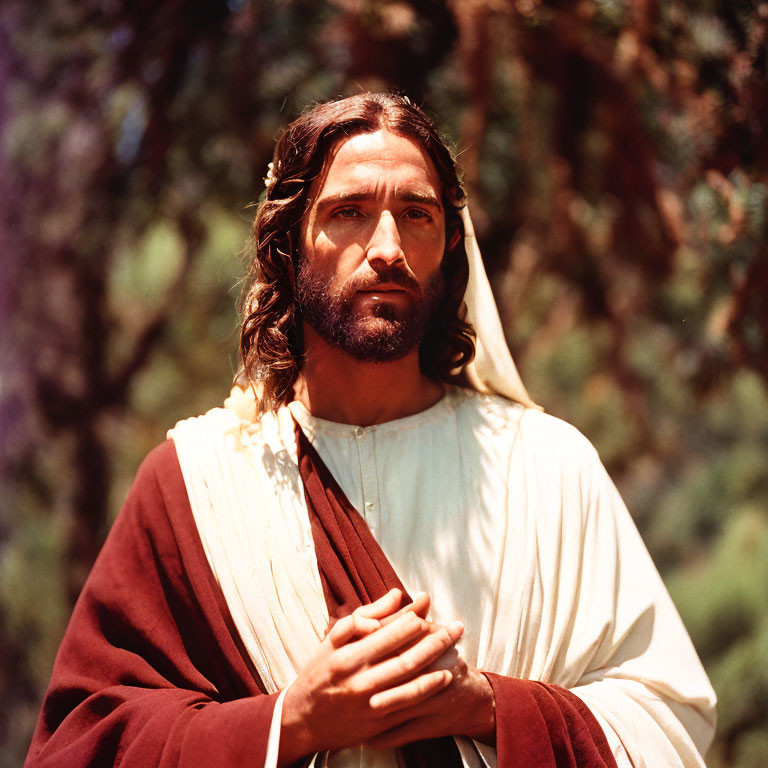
546,726
353,569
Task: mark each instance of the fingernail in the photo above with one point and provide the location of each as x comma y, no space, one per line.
456,627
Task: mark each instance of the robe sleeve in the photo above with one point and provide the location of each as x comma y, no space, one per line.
150,672
546,726
644,681
615,640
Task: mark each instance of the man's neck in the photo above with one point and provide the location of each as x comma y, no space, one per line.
336,387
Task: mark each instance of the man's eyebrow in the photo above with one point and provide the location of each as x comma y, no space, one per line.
422,198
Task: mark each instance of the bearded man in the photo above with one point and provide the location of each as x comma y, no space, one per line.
380,552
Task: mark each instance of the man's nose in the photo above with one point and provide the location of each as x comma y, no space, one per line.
384,247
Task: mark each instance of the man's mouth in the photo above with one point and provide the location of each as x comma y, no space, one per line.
384,288
394,288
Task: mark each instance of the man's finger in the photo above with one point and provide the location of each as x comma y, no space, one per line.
350,627
411,693
448,660
380,644
408,663
359,622
384,606
419,606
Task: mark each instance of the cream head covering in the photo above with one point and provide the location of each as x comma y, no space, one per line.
492,371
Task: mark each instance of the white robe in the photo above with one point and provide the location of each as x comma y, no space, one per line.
504,515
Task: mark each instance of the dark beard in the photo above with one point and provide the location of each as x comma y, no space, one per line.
387,334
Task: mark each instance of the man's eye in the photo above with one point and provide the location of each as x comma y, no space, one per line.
418,214
347,213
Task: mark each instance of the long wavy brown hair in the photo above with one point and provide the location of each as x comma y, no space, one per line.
271,344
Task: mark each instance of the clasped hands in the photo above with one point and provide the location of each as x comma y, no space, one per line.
385,677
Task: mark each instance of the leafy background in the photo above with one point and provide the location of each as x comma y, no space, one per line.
616,158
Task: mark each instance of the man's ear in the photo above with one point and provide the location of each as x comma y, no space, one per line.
454,235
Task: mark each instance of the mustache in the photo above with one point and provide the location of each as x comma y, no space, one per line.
392,275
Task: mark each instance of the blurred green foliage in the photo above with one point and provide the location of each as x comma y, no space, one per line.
615,155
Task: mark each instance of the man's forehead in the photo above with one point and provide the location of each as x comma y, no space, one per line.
366,163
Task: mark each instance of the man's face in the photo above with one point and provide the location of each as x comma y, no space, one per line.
371,247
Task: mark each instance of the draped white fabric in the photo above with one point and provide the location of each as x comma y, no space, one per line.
248,503
493,370
503,514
